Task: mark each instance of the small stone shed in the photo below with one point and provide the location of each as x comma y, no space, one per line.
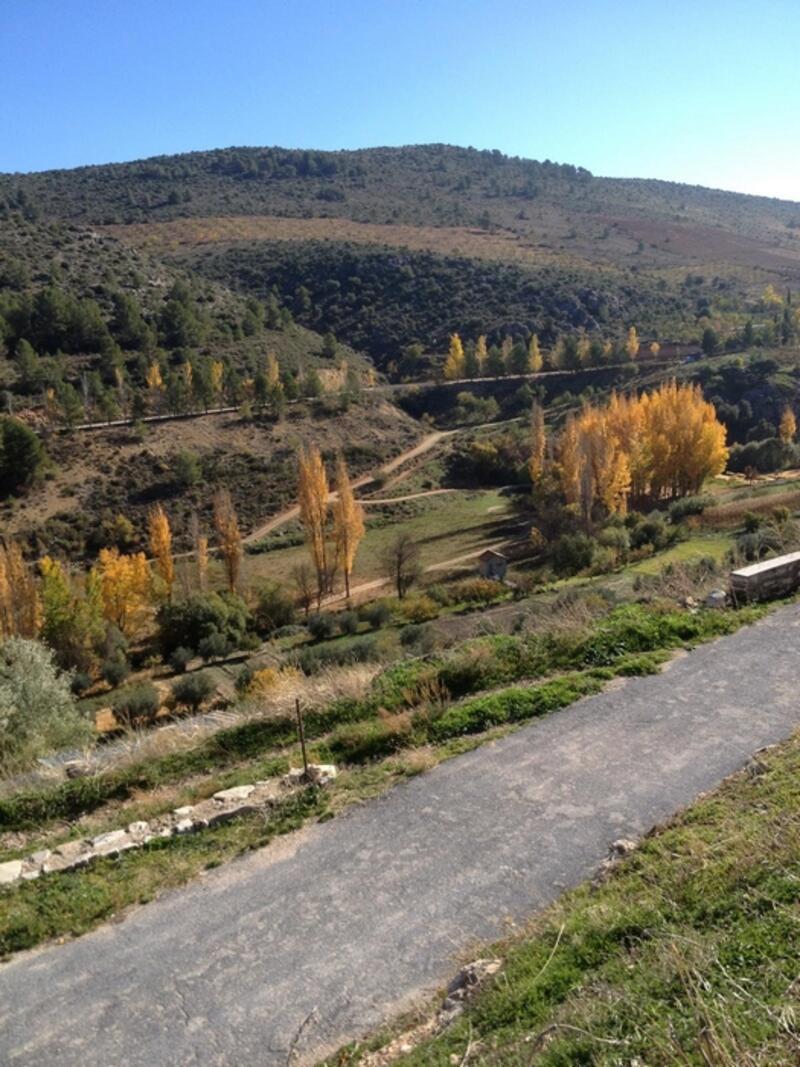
492,564
768,579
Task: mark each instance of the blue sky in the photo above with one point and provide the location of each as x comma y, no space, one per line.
704,91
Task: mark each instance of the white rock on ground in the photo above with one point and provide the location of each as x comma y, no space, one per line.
10,871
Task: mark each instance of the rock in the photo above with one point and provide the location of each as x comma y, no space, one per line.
185,826
72,849
40,857
108,839
29,873
113,842
10,872
183,812
321,773
717,598
77,768
689,602
138,827
318,774
465,984
622,847
237,792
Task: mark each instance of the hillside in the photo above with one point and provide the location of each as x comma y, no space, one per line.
392,246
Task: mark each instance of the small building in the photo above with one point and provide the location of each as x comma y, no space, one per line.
492,564
768,579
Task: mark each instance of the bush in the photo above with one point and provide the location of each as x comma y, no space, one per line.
376,614
348,622
321,627
21,455
476,591
572,553
689,505
274,608
215,646
81,681
361,741
180,659
218,621
419,609
115,671
186,470
192,690
420,639
360,650
37,710
136,706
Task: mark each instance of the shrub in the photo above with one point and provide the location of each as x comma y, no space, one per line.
376,614
360,650
136,706
115,671
215,646
572,553
186,469
37,710
192,690
419,638
476,591
360,741
321,627
274,608
180,659
348,622
21,455
616,538
81,681
222,617
419,609
689,505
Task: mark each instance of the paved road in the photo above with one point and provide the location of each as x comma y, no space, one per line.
357,916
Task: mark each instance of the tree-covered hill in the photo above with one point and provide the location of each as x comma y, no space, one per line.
380,300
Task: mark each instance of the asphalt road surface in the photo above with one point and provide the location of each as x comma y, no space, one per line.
345,923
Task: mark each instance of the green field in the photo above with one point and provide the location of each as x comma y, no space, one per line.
696,548
447,527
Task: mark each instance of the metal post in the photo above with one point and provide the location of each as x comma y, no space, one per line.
302,733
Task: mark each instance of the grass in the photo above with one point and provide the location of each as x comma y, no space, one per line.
686,955
699,546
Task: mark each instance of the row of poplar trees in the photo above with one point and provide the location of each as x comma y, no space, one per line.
654,446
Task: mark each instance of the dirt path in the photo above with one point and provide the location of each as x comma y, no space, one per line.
288,514
328,933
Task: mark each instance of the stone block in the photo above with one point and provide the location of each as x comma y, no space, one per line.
236,792
10,872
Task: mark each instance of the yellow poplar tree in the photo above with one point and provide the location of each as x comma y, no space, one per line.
314,493
655,348
788,427
454,364
481,355
20,607
273,374
229,538
217,373
538,444
160,537
535,361
632,343
153,377
570,461
348,522
125,589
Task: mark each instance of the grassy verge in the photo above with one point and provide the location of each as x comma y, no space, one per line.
686,955
424,686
